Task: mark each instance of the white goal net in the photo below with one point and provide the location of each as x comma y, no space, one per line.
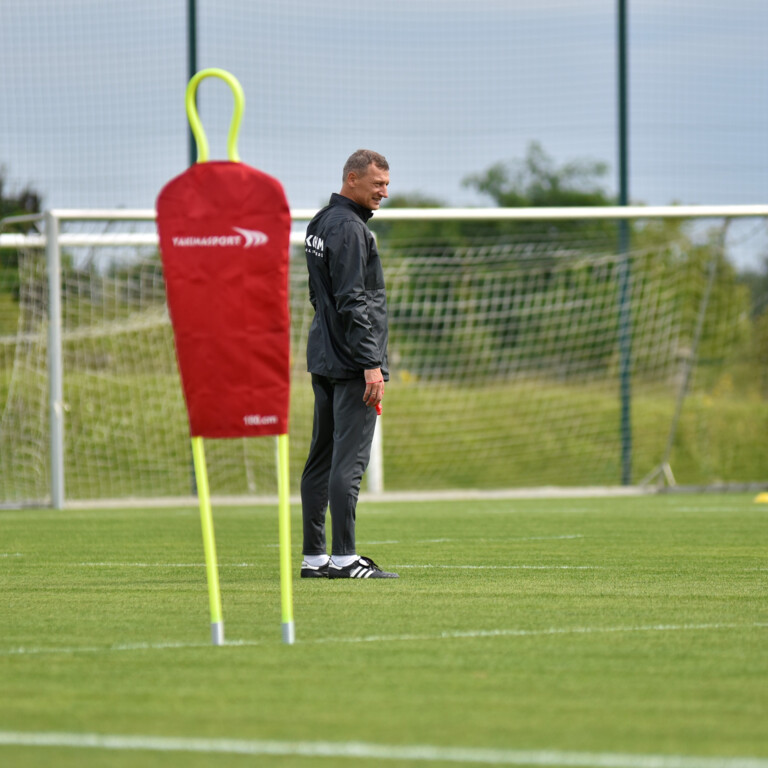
524,352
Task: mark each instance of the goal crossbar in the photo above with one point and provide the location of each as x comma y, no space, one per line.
405,214
608,213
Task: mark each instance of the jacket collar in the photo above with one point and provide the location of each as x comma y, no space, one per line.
363,212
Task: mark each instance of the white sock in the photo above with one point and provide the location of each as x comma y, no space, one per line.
316,561
342,561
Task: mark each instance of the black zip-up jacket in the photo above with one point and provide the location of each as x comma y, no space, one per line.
346,287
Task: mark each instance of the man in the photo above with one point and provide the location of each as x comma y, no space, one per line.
347,357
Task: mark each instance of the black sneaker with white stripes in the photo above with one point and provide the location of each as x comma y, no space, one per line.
362,568
313,571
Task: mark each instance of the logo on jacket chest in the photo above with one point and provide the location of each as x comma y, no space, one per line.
315,246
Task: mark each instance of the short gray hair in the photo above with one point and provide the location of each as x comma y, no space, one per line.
359,161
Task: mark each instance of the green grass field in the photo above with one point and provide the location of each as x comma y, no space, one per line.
593,632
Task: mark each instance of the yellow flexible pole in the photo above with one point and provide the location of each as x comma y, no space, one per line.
209,541
284,511
284,525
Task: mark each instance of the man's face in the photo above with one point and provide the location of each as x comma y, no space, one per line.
369,189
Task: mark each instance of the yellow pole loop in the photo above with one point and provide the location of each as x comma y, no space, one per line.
194,119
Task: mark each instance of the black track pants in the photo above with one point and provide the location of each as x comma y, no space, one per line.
342,434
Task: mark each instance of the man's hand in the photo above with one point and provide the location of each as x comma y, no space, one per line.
374,388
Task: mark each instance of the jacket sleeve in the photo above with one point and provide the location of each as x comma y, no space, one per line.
348,250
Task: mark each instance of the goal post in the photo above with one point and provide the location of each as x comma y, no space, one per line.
55,365
503,345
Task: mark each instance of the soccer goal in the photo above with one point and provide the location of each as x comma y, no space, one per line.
528,348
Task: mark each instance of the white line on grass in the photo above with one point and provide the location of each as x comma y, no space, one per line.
425,565
521,567
163,565
705,508
463,541
488,633
368,751
108,648
548,538
508,567
445,635
513,538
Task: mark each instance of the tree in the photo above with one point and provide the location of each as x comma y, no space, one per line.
757,282
14,204
20,203
536,181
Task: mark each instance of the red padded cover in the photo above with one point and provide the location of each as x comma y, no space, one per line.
224,240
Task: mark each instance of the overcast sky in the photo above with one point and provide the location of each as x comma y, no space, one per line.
92,93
